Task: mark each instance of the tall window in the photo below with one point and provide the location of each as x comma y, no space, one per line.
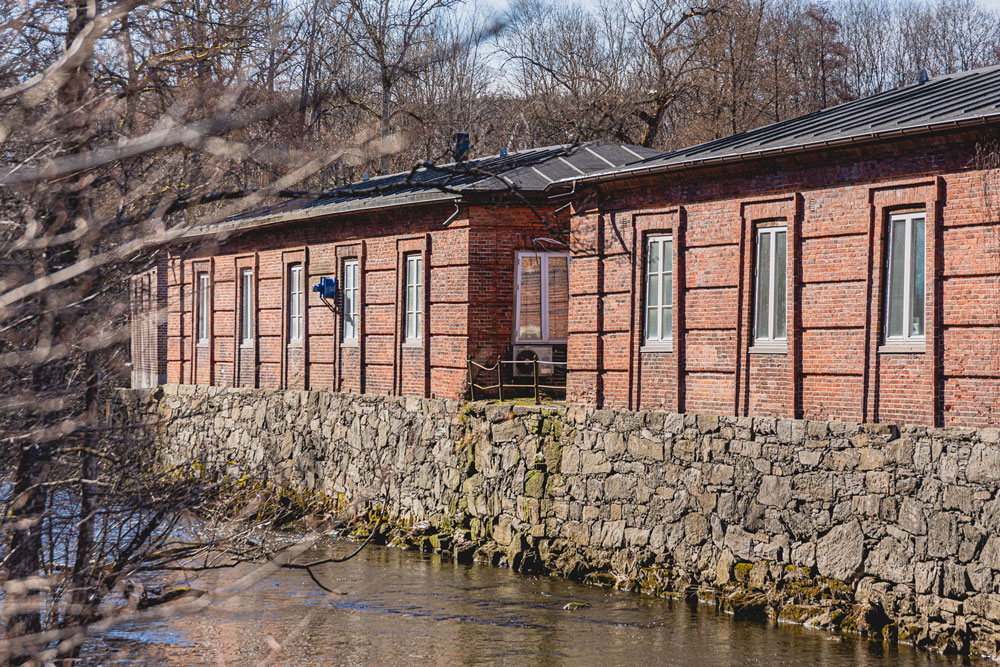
351,300
542,297
414,298
204,307
770,303
905,275
659,289
295,305
246,307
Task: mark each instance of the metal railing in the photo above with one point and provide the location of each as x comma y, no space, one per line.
512,386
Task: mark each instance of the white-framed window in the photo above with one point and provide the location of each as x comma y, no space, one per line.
204,307
659,289
246,307
295,303
350,291
770,303
414,298
542,312
904,304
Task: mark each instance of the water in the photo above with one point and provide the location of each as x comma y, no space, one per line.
396,607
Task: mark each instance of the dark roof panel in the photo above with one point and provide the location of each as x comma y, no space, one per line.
950,100
530,171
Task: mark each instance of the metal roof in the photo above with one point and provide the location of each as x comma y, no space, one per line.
953,100
528,171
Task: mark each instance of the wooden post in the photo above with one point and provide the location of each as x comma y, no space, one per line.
500,379
472,381
535,369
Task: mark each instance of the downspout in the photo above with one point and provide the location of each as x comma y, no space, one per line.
451,218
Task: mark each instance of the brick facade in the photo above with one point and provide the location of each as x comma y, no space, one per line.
835,206
467,309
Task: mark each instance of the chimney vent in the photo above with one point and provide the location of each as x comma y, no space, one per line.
460,146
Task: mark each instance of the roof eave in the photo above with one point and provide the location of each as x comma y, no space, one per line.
617,175
332,210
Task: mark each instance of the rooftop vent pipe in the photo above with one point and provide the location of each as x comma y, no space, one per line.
459,146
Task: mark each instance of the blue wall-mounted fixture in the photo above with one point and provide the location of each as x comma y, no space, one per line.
327,288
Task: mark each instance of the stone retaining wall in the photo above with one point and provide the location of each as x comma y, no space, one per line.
877,529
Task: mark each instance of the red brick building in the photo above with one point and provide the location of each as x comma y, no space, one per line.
430,268
842,265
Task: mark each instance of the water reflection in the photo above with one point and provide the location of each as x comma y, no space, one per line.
395,607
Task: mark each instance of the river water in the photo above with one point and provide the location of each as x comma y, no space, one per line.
398,607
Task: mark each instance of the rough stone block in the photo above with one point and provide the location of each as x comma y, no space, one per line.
775,491
840,553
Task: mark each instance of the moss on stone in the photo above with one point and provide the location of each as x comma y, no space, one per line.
604,579
746,604
534,484
741,571
794,613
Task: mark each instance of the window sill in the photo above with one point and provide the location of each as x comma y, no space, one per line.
657,346
296,343
349,343
413,345
903,348
202,344
246,346
768,348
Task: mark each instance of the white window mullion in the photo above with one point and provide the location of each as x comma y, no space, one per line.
658,299
659,278
765,286
902,278
771,275
907,279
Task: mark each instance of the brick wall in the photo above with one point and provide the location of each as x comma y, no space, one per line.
835,206
468,301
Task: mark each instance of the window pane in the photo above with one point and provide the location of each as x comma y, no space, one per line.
247,306
530,324
350,300
654,256
917,278
558,297
652,323
897,264
203,306
779,284
763,284
653,290
295,302
668,254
